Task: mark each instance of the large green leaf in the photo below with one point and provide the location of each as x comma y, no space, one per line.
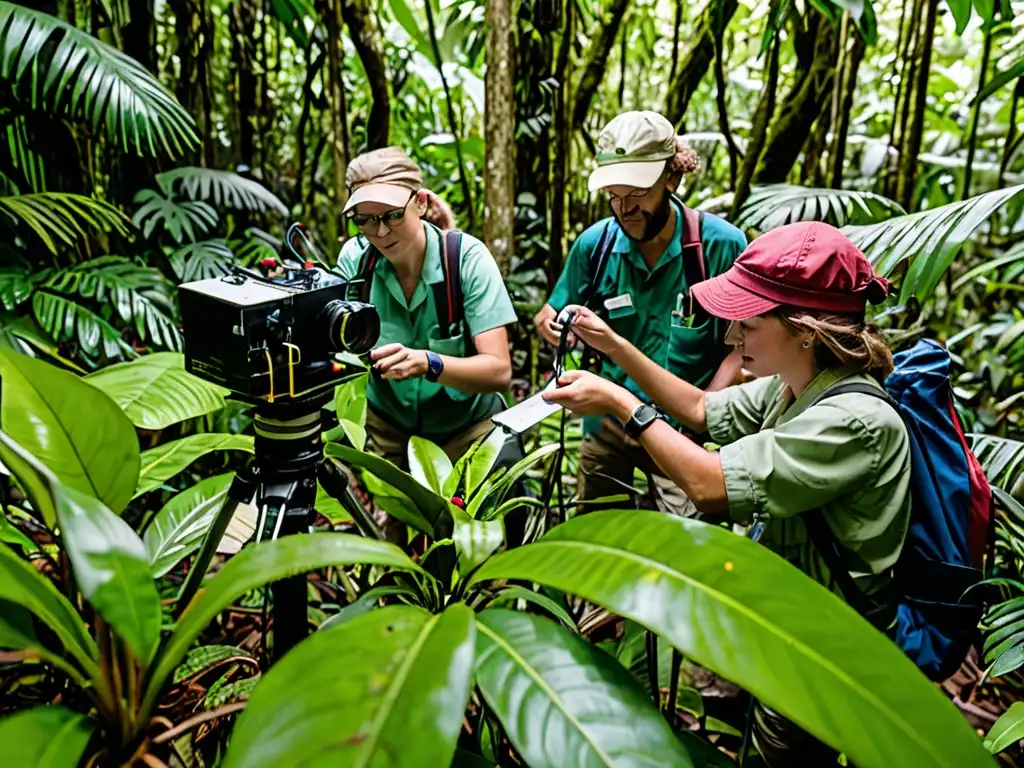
775,205
929,240
400,681
223,189
1002,458
202,260
165,461
292,15
156,391
67,320
1007,730
565,702
475,540
484,505
481,463
178,529
71,427
108,559
395,503
791,642
55,66
258,565
44,737
60,217
428,463
429,504
182,220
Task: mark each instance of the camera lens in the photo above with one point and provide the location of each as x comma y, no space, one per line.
352,326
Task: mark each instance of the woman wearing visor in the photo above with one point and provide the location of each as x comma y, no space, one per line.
796,297
440,383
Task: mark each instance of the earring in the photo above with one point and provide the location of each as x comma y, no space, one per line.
806,344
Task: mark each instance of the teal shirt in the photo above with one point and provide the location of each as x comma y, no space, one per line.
417,406
652,324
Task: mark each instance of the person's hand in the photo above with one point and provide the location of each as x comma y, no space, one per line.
585,394
397,362
542,322
591,330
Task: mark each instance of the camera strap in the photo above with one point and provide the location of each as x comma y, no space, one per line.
695,265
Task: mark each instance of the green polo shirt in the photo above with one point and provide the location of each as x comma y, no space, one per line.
652,323
849,455
418,406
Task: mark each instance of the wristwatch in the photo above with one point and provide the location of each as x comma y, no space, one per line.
434,366
642,417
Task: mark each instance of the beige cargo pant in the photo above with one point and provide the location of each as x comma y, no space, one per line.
607,463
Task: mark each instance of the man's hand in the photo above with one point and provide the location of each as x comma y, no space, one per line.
542,322
588,395
591,330
397,362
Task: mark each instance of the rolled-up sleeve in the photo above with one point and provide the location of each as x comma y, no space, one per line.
821,454
739,410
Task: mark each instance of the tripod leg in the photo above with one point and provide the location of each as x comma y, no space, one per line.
335,482
241,491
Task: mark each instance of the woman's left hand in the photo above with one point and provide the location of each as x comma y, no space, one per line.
588,395
396,362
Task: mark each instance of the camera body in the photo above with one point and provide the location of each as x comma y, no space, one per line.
272,335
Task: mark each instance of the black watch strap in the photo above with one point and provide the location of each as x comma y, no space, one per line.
642,417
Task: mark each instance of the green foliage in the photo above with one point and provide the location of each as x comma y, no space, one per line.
52,65
775,205
58,217
179,528
202,260
182,220
160,464
1007,730
223,189
45,737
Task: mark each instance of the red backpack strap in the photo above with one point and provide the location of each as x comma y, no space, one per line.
691,237
448,300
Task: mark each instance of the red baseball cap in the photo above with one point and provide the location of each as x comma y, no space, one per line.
811,265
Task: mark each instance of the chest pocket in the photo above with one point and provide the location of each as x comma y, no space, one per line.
692,330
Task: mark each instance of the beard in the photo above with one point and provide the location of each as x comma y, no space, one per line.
653,222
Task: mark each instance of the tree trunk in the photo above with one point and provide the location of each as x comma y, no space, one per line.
139,34
675,41
723,117
909,149
499,133
759,128
597,61
1011,132
837,154
242,25
560,148
358,16
698,58
972,138
802,106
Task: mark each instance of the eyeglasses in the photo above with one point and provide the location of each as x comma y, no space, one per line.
370,225
637,195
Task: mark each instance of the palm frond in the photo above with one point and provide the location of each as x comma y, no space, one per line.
184,220
257,245
56,67
139,296
18,282
66,320
63,217
198,261
222,188
928,240
775,205
1003,461
28,162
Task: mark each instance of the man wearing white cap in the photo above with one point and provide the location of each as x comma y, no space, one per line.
635,268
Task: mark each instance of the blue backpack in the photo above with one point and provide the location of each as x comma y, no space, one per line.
951,526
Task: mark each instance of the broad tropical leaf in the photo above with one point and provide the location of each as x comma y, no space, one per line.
60,217
401,683
485,505
395,503
330,507
481,462
206,657
74,429
775,205
223,189
21,334
256,246
66,320
431,506
428,464
178,529
292,14
928,240
202,260
57,67
475,540
262,564
156,391
51,736
796,646
565,702
1003,461
17,283
1003,625
181,220
139,296
165,461
1007,730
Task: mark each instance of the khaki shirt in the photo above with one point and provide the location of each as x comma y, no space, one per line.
849,456
418,406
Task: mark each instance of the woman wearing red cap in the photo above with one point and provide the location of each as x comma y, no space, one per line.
796,298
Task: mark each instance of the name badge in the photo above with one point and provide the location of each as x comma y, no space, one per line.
618,302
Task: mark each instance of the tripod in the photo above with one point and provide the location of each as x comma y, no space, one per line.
282,478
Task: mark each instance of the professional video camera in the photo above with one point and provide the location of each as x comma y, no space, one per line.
270,336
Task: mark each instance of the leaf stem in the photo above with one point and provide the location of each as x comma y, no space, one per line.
192,722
